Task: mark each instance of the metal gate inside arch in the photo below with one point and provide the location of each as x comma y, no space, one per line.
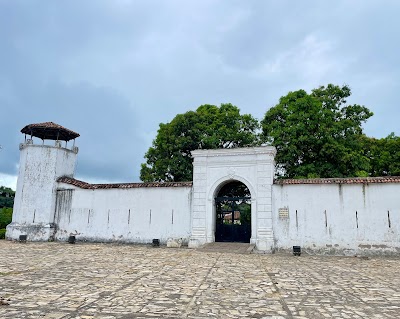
233,213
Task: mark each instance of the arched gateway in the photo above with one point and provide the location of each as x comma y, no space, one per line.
233,213
212,171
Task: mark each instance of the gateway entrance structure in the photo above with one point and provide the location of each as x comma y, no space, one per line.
233,197
212,171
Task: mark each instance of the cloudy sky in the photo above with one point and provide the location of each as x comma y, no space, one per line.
113,70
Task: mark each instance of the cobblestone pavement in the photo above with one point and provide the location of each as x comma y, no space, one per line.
57,280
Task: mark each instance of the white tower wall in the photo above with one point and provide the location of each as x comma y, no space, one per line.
34,205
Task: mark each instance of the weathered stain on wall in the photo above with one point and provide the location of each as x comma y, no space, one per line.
63,204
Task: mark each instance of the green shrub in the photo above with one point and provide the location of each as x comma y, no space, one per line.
2,233
5,216
6,197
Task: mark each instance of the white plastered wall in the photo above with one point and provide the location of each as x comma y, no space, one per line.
338,217
135,215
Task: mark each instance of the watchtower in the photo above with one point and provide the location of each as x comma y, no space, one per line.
39,167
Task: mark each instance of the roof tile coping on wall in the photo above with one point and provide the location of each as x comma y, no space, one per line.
84,185
348,180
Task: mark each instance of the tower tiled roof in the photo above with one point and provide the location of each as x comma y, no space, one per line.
49,131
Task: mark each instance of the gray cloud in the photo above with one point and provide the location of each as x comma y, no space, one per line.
113,70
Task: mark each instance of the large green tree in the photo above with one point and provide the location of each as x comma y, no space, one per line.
209,127
317,135
383,155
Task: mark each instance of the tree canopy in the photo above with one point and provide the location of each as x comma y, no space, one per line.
209,127
383,155
317,134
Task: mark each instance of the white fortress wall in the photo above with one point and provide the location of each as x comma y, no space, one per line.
350,215
329,217
135,215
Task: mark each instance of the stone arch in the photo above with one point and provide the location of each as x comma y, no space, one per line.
218,184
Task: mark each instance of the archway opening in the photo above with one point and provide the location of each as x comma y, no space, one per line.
233,213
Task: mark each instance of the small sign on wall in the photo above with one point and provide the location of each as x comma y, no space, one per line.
283,213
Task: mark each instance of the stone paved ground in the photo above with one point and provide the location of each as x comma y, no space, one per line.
57,280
